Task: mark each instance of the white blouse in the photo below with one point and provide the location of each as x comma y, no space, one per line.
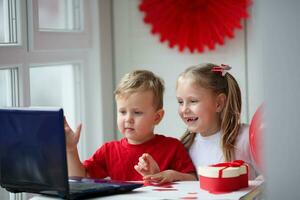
207,150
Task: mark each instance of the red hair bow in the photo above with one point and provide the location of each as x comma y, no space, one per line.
222,68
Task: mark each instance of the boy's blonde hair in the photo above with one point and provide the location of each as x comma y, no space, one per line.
203,76
141,81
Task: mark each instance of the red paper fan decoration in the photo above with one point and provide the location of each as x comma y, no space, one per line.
194,24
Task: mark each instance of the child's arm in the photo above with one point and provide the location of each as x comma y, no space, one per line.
147,165
75,167
170,176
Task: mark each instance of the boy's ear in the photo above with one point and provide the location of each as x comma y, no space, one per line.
159,115
221,100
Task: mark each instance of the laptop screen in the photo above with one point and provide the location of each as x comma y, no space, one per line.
31,146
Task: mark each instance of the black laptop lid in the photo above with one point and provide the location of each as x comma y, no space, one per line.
31,146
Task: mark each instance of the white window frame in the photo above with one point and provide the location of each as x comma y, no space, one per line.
40,40
69,47
14,30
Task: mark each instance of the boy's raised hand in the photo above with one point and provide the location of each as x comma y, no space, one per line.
147,165
166,176
72,138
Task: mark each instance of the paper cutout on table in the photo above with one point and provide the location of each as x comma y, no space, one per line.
165,189
163,185
192,193
186,198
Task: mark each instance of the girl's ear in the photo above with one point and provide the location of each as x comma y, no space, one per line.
221,100
158,116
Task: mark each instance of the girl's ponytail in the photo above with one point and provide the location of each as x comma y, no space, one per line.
230,123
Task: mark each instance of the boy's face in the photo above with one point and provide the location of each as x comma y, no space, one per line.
137,116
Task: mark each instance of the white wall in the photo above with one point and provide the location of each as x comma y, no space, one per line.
280,61
99,99
136,48
254,57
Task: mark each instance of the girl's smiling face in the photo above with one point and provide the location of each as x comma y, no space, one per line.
198,107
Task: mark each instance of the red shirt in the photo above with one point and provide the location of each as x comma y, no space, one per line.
116,159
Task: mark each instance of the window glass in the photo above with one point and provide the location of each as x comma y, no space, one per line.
55,86
8,87
59,15
8,22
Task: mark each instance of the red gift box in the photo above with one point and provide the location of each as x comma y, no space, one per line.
224,177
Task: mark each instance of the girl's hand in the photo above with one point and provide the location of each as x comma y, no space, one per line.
166,176
147,165
72,138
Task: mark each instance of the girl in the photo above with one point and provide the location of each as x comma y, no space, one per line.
210,105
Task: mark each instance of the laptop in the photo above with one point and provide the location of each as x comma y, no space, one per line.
33,157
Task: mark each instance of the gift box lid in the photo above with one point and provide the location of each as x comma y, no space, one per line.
213,171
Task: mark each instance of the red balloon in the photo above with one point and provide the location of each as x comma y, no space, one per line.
256,130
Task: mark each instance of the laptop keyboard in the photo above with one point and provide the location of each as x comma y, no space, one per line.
79,186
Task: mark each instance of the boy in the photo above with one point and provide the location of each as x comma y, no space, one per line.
139,99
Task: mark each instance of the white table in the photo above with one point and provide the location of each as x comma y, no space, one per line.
180,190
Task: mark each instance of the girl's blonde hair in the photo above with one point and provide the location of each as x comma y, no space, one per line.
230,116
141,81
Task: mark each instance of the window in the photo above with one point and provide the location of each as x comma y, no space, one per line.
59,24
56,64
58,86
8,22
9,87
60,15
